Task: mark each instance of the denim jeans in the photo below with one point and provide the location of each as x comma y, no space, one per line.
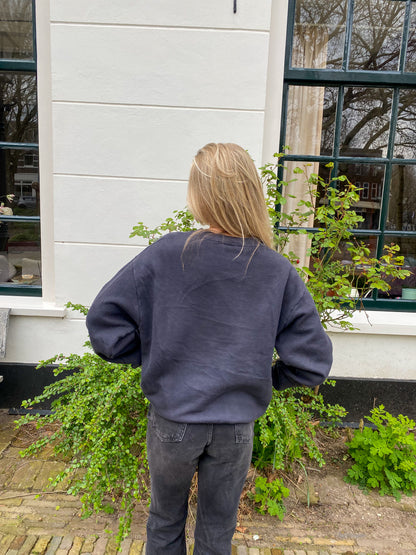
221,453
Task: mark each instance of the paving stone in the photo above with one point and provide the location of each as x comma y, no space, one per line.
136,547
76,545
100,545
66,542
5,542
41,545
24,477
125,547
12,526
297,539
88,545
12,453
253,551
53,545
275,551
10,501
27,545
242,550
332,542
17,543
48,472
6,471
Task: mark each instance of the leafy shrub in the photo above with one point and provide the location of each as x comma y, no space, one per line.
270,496
287,429
386,456
99,417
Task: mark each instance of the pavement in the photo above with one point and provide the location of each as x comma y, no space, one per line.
37,520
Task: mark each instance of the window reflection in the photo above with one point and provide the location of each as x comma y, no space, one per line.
402,203
319,34
18,110
369,179
376,35
16,29
366,121
403,289
19,181
405,141
20,253
411,42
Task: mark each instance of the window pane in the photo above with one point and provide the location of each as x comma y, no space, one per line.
18,110
366,121
19,176
369,178
16,39
376,35
310,119
402,203
411,43
405,141
20,253
403,289
319,34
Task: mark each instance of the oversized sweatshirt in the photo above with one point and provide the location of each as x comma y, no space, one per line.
203,322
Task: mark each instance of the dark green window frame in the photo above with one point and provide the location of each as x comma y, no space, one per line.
26,66
341,78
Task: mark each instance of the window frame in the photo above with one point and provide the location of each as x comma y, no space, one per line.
342,78
26,66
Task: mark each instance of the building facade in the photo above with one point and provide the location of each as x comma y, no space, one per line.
103,106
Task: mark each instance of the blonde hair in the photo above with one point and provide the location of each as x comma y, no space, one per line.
225,192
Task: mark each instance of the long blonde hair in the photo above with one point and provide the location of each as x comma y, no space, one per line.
225,192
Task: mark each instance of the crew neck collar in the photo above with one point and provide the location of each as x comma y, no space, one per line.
229,239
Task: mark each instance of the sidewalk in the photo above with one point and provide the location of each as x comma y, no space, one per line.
32,521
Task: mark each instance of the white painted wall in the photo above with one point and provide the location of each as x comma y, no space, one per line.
128,91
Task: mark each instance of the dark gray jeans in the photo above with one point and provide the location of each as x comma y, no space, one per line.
221,453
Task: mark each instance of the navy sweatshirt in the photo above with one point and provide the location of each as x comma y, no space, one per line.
203,323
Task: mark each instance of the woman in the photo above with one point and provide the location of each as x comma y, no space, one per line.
202,312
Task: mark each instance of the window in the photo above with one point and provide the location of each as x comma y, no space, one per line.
20,262
350,99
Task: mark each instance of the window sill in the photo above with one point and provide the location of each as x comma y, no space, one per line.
30,306
382,323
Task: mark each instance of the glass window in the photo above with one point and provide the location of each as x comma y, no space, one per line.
20,248
411,42
350,98
16,36
319,34
365,124
18,107
376,35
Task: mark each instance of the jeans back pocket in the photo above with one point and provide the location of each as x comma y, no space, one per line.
244,432
167,431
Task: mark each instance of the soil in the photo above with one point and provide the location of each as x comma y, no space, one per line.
336,509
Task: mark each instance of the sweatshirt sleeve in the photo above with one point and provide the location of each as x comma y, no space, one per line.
304,348
113,320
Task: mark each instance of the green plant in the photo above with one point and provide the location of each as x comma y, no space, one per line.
385,457
287,429
99,418
329,278
270,495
